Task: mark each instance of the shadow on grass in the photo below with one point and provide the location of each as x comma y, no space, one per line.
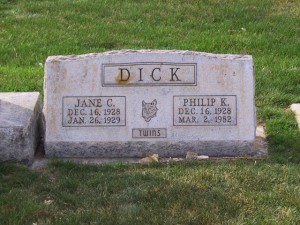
178,193
134,195
109,194
283,135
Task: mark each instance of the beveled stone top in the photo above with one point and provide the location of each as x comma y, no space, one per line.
148,51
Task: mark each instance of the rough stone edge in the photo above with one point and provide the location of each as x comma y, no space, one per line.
36,130
139,149
261,148
39,127
148,51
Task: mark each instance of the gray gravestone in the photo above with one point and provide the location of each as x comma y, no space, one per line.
135,103
20,115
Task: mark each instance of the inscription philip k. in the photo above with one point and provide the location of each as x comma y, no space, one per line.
201,110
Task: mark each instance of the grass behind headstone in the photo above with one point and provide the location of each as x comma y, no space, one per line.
269,30
240,192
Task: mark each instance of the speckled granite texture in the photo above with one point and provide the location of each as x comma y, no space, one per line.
20,116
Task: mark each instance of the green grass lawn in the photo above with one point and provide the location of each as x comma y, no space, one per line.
238,192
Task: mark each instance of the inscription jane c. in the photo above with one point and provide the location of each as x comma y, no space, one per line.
92,102
85,111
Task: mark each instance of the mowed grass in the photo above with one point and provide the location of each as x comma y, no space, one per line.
235,192
239,192
30,31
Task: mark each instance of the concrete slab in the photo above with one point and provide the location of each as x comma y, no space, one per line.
20,116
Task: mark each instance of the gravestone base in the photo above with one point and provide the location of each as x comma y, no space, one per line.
141,149
260,152
20,116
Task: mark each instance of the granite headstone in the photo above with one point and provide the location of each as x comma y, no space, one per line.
136,103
